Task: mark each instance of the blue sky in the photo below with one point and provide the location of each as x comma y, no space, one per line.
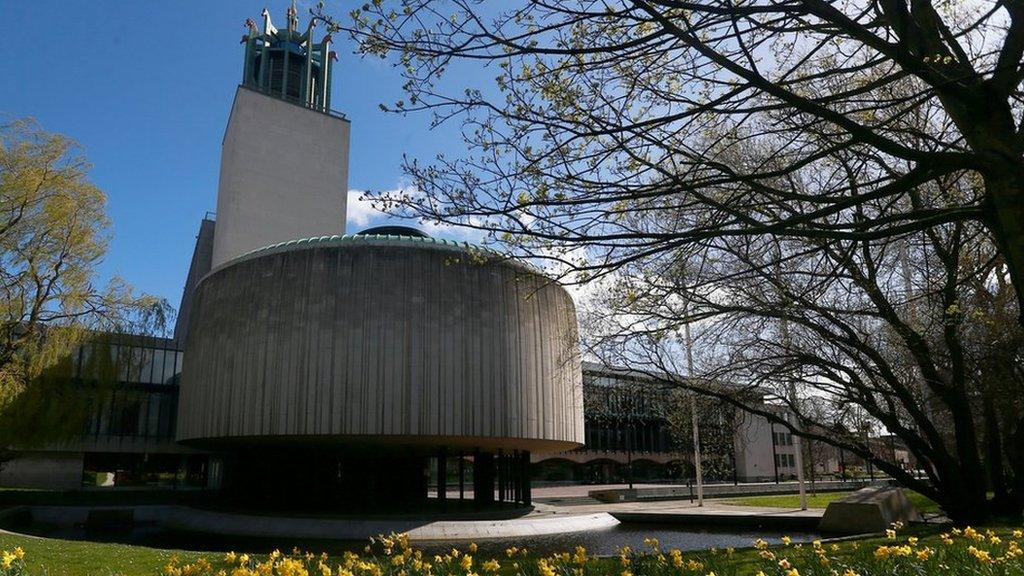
146,87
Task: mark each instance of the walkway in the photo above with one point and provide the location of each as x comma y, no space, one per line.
683,512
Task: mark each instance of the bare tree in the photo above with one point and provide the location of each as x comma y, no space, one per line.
833,191
599,109
718,429
905,331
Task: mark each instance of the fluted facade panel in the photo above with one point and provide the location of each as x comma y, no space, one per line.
377,340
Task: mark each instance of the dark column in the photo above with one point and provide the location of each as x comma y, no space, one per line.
527,499
500,465
462,476
483,478
523,475
516,475
442,477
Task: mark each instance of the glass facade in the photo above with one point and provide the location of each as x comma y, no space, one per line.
136,388
625,414
639,428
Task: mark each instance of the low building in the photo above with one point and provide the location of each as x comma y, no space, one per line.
127,417
637,427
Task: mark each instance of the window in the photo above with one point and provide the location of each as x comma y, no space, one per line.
125,416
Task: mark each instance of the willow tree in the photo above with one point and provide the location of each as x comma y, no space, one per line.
53,235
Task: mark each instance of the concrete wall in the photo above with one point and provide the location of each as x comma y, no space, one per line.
283,175
404,341
753,445
618,456
202,262
721,490
43,470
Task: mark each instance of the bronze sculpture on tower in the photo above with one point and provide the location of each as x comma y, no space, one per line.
289,64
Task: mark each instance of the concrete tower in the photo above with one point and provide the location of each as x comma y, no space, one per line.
284,160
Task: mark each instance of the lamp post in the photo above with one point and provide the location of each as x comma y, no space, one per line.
629,447
784,333
797,448
775,453
698,472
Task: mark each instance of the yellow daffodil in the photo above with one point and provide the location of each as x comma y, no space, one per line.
980,555
545,568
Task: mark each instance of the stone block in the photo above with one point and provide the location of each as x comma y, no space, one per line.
871,509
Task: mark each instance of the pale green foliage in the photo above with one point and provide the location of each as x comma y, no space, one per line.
53,233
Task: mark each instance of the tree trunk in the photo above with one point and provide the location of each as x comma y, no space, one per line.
994,455
967,493
1014,449
1004,217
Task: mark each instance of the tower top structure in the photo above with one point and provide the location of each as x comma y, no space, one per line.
287,64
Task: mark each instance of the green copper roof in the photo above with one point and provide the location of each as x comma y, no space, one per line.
374,240
345,239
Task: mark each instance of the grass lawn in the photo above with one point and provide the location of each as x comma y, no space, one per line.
67,558
70,558
820,500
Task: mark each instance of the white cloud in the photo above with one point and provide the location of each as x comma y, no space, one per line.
361,214
360,211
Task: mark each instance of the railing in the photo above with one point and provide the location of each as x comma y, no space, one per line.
296,101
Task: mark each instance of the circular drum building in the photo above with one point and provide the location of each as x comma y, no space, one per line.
335,370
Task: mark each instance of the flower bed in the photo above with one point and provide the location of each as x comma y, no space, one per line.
967,551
